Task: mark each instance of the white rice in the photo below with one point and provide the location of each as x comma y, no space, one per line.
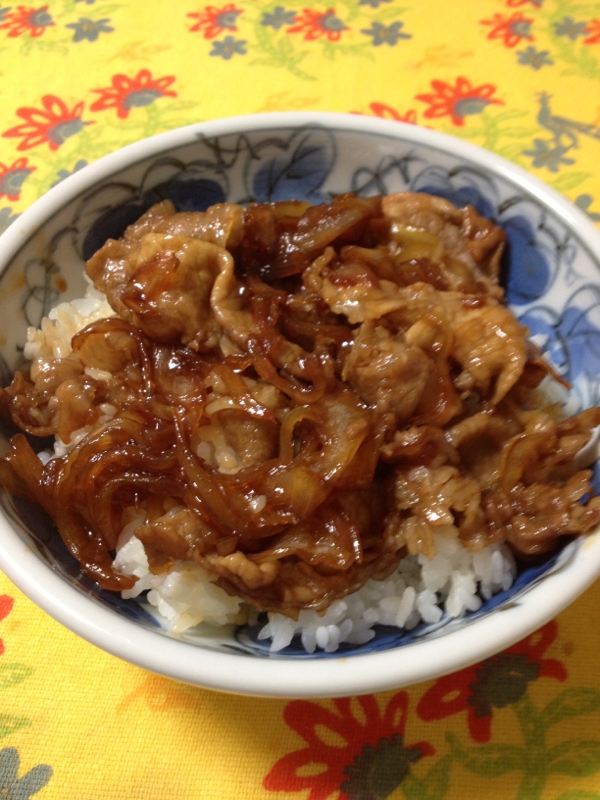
184,596
53,338
420,590
452,584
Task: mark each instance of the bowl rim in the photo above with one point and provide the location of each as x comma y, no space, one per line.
280,676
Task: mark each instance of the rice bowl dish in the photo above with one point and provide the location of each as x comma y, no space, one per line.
423,591
382,460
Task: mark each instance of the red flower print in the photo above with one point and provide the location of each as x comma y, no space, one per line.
11,178
498,682
214,21
593,31
127,93
387,112
510,29
6,604
458,101
374,754
26,19
517,3
51,125
314,24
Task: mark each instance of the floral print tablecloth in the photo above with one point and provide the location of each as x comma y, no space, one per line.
81,78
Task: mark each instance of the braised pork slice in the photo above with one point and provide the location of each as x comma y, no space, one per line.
468,245
296,396
111,268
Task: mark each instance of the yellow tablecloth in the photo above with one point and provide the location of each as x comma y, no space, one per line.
80,78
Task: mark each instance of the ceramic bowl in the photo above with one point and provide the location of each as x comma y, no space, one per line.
553,286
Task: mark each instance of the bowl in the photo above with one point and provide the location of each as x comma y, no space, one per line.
553,287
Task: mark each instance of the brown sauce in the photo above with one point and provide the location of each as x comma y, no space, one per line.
298,397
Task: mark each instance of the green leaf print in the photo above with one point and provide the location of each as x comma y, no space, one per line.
97,11
388,13
574,757
279,51
10,723
492,133
333,50
490,761
13,674
29,45
535,759
570,703
431,787
570,180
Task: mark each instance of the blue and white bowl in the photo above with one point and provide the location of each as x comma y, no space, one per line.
552,284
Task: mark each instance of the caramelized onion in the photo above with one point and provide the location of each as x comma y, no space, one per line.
294,396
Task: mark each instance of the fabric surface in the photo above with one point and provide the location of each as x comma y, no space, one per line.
81,78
